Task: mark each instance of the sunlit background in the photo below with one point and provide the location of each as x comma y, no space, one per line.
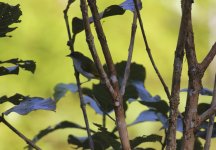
42,37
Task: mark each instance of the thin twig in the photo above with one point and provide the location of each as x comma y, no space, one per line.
211,121
209,57
82,104
211,111
104,120
116,96
130,52
29,142
149,51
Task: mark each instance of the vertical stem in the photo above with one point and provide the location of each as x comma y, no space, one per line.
82,104
104,120
211,120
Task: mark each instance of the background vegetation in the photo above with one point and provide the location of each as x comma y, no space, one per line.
42,37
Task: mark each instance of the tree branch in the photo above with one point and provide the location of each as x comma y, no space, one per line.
211,120
166,89
130,52
117,98
208,59
82,104
211,111
177,71
29,142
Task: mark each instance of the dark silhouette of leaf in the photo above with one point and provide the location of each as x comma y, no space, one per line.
75,141
77,23
142,139
9,70
102,139
197,144
159,106
203,91
31,104
15,99
113,10
61,89
28,65
8,15
202,107
61,125
103,97
129,5
137,72
203,130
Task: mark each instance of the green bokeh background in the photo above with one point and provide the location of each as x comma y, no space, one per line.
42,36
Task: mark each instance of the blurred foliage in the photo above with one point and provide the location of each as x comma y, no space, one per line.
42,37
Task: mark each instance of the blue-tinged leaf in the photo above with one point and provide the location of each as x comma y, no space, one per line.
61,89
31,104
143,93
203,91
148,115
93,104
9,70
129,5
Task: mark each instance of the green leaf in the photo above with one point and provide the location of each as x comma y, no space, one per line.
8,15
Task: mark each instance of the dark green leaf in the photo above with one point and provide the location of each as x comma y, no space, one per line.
159,106
202,107
61,89
9,70
61,125
31,104
137,72
103,97
15,99
112,11
8,15
142,139
28,65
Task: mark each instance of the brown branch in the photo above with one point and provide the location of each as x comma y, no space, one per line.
211,120
208,59
130,52
177,71
82,104
92,48
166,89
28,141
211,111
117,98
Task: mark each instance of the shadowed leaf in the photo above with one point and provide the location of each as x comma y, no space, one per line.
61,89
8,15
15,99
142,139
31,104
9,70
